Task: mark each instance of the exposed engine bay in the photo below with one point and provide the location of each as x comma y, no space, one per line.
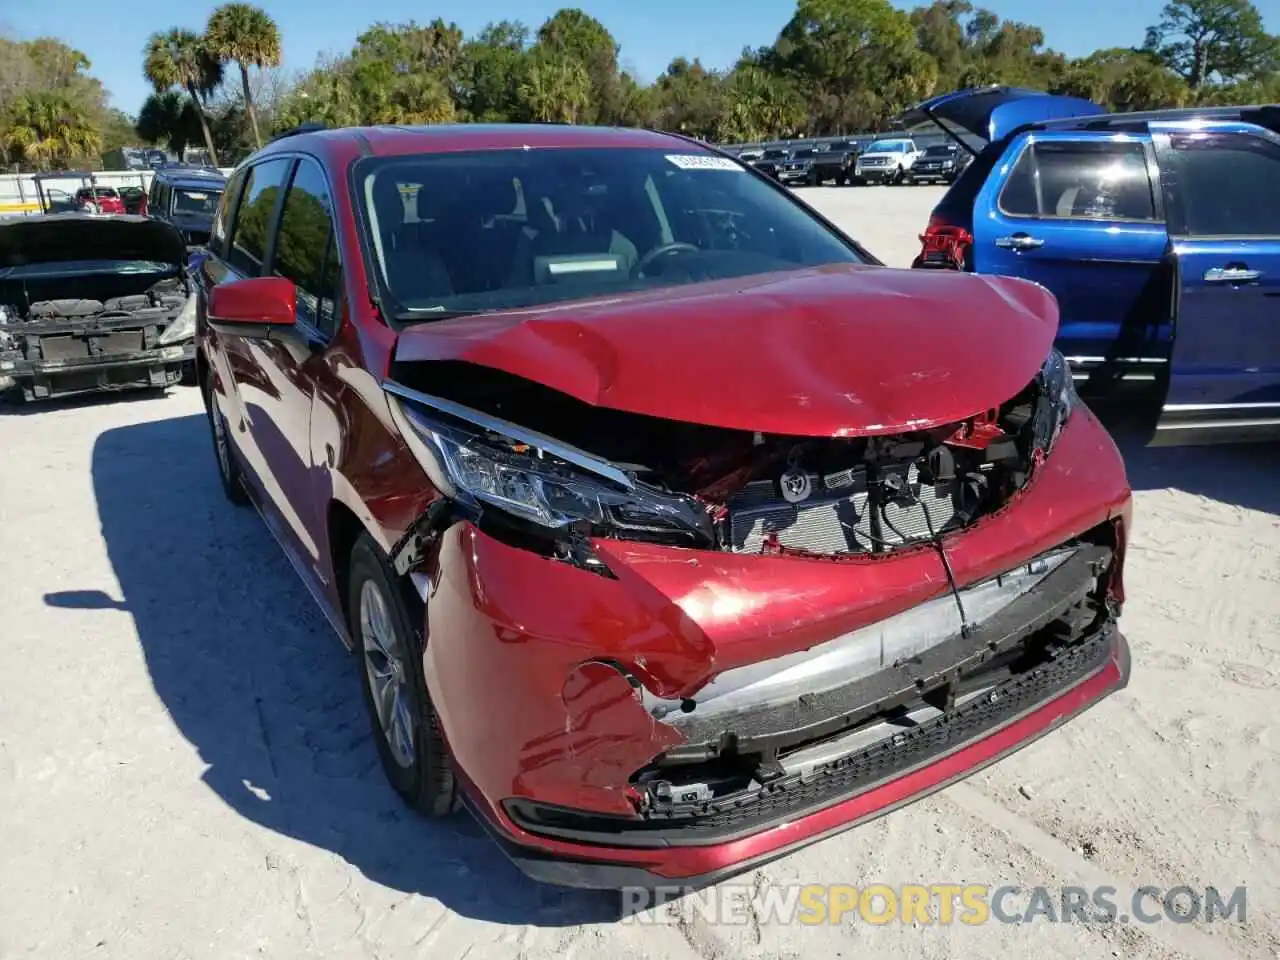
129,311
712,487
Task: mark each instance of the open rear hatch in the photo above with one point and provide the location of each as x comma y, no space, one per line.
991,113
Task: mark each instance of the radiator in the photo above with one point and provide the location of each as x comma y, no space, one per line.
836,521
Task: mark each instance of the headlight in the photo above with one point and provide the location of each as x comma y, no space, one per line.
183,326
1058,400
530,478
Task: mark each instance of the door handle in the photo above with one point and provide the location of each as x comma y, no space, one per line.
1019,241
1231,275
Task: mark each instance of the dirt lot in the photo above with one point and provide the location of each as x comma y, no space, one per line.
184,769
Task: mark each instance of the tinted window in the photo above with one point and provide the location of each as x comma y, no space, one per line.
226,207
592,222
1228,185
302,242
253,220
201,202
1080,180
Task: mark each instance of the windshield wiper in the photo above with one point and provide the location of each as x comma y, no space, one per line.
422,316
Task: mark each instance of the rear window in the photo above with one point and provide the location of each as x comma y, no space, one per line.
1080,180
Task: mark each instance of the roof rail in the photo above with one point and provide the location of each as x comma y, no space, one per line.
311,126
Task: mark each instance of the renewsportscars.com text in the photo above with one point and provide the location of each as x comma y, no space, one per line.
940,903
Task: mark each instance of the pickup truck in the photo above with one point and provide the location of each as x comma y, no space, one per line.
815,166
886,161
1157,232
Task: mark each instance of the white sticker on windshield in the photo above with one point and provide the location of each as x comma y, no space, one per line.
702,161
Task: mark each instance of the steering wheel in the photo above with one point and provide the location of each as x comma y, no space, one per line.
663,250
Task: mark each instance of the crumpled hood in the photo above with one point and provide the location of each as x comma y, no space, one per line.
831,351
62,237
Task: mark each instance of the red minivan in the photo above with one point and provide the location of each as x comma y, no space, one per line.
670,530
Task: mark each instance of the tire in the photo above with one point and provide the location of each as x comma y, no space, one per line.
384,619
814,179
189,376
224,452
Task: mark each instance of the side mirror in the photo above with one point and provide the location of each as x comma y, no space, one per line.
253,307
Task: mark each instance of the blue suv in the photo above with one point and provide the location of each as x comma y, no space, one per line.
1159,234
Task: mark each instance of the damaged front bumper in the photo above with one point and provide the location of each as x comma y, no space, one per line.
701,711
45,378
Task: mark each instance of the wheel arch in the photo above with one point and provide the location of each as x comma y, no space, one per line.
343,529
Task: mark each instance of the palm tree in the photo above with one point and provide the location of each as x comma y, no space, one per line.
170,119
179,58
556,88
48,130
243,34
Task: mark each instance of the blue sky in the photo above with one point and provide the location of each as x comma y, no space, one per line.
650,32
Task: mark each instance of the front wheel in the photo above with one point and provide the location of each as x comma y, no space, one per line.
229,474
389,646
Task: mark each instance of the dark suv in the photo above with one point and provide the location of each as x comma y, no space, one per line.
1158,233
186,197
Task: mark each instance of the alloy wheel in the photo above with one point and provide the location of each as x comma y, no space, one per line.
387,672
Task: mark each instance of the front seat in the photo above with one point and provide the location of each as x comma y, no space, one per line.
412,272
576,227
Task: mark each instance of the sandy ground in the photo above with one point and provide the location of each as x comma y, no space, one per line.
185,773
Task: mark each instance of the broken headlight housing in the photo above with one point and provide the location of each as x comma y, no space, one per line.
541,484
182,327
1058,400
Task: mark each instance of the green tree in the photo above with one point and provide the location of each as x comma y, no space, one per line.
555,89
245,35
839,53
1205,39
1122,79
168,118
758,106
179,58
571,33
690,99
47,131
494,66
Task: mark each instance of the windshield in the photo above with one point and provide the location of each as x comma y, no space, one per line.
888,146
942,150
774,154
202,202
803,154
482,231
102,192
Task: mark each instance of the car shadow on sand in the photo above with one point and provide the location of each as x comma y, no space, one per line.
1243,475
256,680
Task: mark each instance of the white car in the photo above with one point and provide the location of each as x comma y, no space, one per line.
886,161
